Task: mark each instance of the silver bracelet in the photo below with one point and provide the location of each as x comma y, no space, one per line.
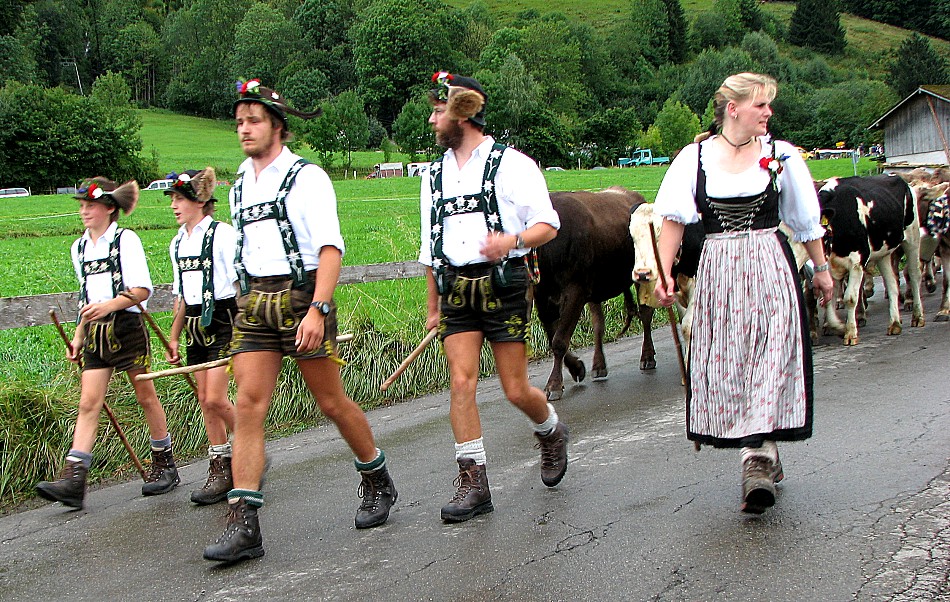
823,267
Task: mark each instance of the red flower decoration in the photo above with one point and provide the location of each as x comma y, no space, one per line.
764,162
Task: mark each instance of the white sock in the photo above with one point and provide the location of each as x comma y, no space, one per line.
548,425
223,450
473,450
768,450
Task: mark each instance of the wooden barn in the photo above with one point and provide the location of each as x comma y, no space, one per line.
917,130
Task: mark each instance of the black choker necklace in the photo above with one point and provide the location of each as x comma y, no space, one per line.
733,144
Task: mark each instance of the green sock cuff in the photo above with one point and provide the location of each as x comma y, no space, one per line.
373,464
250,497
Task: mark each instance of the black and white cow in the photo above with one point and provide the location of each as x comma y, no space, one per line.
866,219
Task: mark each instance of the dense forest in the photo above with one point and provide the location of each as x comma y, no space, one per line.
559,88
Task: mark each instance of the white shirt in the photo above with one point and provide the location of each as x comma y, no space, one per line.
222,261
523,201
311,208
798,202
135,272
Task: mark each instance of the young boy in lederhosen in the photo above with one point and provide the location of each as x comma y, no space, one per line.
202,255
110,336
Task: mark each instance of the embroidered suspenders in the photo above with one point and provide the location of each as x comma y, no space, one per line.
276,210
204,263
110,264
485,202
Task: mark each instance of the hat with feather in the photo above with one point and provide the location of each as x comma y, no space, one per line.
253,91
463,96
194,185
105,191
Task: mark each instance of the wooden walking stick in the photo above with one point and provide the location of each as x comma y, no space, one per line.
105,406
409,359
671,313
207,365
161,336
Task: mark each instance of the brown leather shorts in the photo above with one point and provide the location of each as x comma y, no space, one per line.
119,341
476,299
269,314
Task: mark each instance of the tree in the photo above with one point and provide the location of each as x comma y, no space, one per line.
323,135
354,126
324,26
397,46
264,41
411,130
816,24
677,30
650,20
611,133
512,94
707,72
675,127
843,112
50,137
916,64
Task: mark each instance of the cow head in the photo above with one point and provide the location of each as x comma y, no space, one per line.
645,272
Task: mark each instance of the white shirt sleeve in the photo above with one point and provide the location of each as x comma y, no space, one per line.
134,265
798,202
171,254
425,215
676,199
225,241
315,200
521,183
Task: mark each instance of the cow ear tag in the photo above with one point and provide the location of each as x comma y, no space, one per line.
824,220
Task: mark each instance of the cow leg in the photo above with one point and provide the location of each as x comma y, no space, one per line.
943,314
833,323
559,338
549,317
851,298
598,369
648,351
911,246
811,306
890,285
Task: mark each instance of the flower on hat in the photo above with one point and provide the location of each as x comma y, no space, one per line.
248,87
91,190
443,80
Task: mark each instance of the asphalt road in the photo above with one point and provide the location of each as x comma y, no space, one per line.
863,514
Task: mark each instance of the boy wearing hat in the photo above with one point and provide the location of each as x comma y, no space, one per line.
202,255
483,207
288,258
110,335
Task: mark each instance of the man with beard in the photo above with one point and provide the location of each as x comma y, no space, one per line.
484,206
288,257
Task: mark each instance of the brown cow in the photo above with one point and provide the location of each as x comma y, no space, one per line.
589,262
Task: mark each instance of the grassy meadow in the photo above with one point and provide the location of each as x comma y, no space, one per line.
380,222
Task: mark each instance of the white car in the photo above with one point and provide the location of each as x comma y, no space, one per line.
554,169
160,185
6,193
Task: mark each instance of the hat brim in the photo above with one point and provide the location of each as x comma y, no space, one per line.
270,107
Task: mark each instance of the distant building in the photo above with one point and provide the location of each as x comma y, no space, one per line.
917,130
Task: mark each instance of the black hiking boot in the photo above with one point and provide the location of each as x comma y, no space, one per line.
473,496
379,494
553,454
241,539
163,475
219,482
70,489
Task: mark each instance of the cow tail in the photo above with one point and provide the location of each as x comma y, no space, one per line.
630,309
910,207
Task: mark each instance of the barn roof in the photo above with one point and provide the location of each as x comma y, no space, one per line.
941,92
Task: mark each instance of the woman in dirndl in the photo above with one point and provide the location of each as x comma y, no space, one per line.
750,364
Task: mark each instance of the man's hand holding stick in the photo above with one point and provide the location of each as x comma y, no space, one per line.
405,363
74,353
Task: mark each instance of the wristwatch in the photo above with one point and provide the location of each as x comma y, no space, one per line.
519,241
321,306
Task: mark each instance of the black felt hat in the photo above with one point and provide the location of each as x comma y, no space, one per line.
105,191
463,96
194,185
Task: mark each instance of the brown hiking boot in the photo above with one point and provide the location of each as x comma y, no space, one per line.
777,472
70,489
379,494
758,484
241,538
473,496
163,475
219,482
553,454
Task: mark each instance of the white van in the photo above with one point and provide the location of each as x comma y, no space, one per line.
160,185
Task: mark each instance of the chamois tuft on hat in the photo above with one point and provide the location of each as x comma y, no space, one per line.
105,191
463,96
194,185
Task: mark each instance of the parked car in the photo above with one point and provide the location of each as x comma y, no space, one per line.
642,156
806,154
160,184
554,169
7,193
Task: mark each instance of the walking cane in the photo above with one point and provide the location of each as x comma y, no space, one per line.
671,313
161,335
105,406
409,359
